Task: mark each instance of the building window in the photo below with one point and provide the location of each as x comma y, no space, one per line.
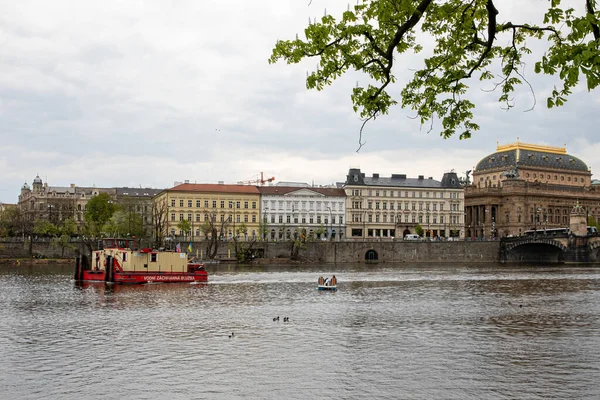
189,203
181,217
253,218
172,216
197,217
222,203
205,203
180,203
172,202
214,204
237,204
189,216
197,203
246,205
230,204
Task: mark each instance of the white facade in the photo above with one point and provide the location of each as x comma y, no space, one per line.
290,211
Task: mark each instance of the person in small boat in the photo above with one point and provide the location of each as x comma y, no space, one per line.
327,282
333,280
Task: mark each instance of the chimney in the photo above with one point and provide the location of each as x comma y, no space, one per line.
376,176
72,185
421,177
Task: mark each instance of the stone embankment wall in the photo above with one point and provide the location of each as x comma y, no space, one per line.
400,251
329,252
20,249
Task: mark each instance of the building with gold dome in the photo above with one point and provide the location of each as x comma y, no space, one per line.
524,187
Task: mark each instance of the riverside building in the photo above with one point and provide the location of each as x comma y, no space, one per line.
393,206
288,211
525,187
228,209
58,204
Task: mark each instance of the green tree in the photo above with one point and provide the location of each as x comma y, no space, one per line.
99,211
45,228
419,230
470,41
185,226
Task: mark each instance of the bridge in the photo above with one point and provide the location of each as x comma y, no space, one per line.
550,249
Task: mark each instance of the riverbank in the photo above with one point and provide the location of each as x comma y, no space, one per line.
35,261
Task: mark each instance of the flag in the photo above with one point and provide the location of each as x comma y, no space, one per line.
190,248
178,247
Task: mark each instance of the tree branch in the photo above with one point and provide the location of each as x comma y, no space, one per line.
590,9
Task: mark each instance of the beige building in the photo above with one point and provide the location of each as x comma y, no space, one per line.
57,203
389,207
229,206
525,187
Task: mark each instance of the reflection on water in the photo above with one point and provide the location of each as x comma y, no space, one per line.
419,332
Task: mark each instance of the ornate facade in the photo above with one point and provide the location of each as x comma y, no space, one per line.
386,207
56,203
524,187
59,203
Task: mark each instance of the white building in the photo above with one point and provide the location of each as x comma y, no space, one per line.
288,211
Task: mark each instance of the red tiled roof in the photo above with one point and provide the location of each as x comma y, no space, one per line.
289,189
214,188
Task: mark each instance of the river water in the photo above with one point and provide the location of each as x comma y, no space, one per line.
390,331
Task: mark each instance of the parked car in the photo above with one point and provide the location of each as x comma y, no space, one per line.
412,236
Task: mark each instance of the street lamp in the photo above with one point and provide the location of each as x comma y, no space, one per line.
264,227
330,224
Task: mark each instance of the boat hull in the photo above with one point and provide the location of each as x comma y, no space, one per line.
147,277
330,288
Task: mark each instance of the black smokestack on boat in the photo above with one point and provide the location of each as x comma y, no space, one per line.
78,270
109,272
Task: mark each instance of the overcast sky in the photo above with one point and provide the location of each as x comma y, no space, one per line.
146,93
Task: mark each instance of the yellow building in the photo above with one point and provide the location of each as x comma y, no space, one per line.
230,209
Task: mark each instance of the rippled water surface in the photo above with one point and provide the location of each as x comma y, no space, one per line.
409,332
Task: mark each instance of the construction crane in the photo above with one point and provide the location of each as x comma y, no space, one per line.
258,181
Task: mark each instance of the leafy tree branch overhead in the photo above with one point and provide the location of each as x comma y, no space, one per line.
469,35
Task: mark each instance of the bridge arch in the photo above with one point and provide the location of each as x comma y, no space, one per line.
528,249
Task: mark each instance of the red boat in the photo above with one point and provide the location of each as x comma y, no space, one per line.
120,261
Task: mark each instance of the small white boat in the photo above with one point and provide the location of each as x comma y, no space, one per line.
327,284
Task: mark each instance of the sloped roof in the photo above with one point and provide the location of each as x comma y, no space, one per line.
214,188
282,190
